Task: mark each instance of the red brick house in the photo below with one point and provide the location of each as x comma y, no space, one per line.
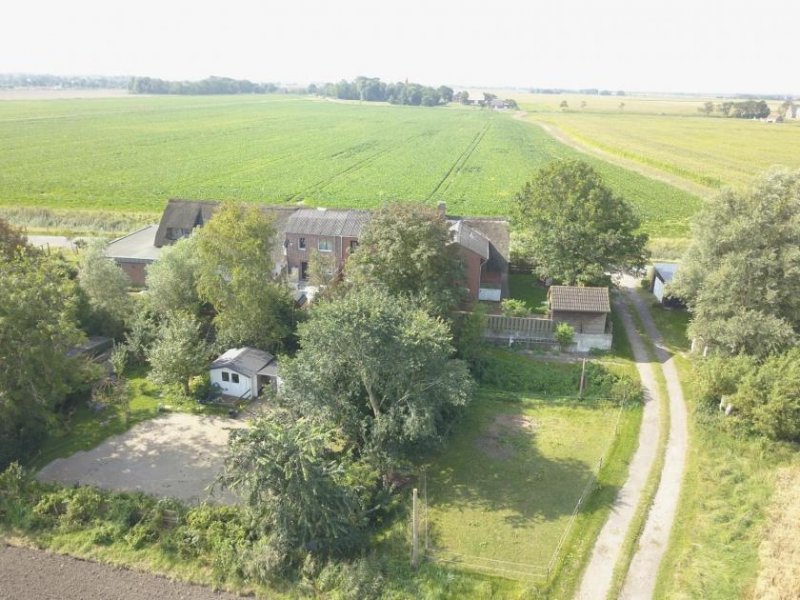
483,242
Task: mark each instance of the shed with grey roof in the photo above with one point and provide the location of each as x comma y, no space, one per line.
243,372
135,252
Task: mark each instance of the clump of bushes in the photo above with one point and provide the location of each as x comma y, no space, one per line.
511,307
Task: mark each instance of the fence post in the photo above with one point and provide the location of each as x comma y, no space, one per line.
583,379
414,530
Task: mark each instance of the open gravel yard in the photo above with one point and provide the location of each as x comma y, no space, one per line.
176,455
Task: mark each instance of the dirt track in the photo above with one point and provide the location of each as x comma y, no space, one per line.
27,574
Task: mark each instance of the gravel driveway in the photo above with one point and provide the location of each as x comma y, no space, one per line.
176,455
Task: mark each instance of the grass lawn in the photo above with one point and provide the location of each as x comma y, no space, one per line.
527,288
506,486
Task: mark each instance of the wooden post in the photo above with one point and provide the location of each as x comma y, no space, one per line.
583,379
414,530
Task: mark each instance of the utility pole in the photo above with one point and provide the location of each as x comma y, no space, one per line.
414,530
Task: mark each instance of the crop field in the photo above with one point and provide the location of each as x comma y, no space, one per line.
671,136
131,154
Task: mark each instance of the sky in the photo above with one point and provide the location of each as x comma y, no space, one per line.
634,45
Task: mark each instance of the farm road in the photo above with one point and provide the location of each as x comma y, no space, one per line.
27,574
641,578
597,577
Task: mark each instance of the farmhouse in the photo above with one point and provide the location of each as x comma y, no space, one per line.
243,372
586,309
134,252
483,242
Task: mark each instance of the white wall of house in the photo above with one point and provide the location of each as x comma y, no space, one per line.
230,388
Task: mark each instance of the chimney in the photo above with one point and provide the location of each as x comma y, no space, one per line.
441,207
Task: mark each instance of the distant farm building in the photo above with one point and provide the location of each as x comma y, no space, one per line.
663,273
134,252
587,310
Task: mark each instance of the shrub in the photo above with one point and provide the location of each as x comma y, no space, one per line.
199,386
512,307
84,505
564,335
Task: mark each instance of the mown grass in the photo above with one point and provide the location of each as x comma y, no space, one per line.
132,154
525,287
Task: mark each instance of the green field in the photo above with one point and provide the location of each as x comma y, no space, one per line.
668,134
133,153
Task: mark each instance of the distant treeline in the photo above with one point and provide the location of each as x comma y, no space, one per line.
586,91
747,109
211,85
372,89
26,80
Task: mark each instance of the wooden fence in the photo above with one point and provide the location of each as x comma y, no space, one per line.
525,328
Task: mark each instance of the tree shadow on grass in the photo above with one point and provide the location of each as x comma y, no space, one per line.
494,464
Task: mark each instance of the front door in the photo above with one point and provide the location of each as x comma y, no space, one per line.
303,271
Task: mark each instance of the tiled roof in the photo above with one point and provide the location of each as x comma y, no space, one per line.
579,299
311,221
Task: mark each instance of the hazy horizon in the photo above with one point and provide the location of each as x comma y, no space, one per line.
687,47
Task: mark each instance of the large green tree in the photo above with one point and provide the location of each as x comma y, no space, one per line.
106,288
171,280
179,351
37,328
307,498
741,274
235,275
408,248
574,228
381,368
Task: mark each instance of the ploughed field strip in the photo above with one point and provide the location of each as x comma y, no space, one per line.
176,455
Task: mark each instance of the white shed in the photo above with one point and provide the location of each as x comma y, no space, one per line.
662,276
243,372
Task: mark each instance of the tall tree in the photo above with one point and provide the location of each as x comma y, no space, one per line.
409,249
574,228
171,280
37,328
741,274
235,275
179,351
380,367
106,288
298,489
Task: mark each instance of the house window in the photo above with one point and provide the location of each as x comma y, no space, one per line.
353,245
234,378
301,243
226,376
325,246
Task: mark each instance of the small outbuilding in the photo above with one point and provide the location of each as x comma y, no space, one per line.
244,372
663,274
586,309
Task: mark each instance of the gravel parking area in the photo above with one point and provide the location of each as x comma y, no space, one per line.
175,455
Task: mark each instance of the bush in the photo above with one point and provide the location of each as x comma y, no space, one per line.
564,335
200,386
512,307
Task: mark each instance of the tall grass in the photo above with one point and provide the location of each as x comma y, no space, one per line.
75,222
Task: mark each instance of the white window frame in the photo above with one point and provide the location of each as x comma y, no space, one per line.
327,243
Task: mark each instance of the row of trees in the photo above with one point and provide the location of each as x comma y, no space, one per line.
210,85
741,280
17,80
372,89
745,109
